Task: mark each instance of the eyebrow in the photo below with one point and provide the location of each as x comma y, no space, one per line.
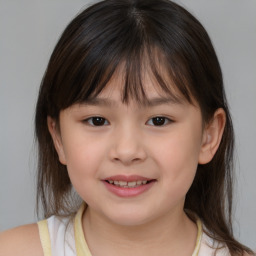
162,101
153,102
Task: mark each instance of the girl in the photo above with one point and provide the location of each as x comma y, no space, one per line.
135,139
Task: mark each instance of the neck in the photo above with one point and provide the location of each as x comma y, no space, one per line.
173,234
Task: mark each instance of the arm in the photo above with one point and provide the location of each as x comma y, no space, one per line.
22,240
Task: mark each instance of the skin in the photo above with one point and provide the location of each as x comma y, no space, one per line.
128,143
23,240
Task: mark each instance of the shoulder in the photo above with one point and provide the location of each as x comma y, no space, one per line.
209,246
212,247
23,240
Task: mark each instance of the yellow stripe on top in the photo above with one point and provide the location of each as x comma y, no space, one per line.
199,237
45,237
81,245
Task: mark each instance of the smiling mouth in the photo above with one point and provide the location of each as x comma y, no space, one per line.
129,184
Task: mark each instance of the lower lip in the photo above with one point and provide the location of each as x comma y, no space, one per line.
128,192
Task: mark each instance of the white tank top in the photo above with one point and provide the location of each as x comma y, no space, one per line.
64,237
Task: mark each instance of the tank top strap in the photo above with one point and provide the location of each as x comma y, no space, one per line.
81,245
198,238
45,237
57,236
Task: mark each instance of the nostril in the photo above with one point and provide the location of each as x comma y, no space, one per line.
127,159
136,159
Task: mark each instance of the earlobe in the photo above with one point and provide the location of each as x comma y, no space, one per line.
212,136
55,134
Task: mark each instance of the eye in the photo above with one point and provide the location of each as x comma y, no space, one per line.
159,121
96,121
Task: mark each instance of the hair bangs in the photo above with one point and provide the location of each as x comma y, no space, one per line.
134,66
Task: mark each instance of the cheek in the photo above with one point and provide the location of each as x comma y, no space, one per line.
83,160
178,159
178,150
81,150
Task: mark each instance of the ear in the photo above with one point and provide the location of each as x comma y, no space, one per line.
56,137
212,136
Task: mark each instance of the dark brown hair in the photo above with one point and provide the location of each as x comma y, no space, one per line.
136,33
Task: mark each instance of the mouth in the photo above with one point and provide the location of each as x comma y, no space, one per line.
128,184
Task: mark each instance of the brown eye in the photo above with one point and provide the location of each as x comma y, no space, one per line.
159,121
97,121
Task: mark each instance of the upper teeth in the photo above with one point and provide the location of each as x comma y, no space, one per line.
127,184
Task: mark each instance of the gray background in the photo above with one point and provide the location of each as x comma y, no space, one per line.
29,30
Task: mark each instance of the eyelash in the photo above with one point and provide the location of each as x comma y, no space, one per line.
103,121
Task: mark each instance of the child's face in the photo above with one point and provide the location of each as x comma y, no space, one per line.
126,144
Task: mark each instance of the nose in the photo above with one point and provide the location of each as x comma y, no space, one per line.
128,146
